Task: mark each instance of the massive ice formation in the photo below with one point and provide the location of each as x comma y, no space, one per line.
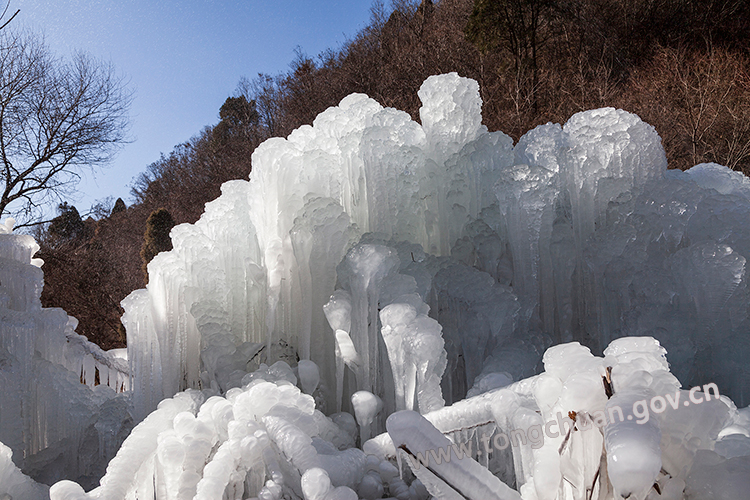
578,233
377,266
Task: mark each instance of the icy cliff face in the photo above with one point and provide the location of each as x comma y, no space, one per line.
54,422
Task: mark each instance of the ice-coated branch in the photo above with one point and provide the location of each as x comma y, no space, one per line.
461,474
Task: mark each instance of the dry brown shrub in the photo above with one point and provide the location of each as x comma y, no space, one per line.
699,102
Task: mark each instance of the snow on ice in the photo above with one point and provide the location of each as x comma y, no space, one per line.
382,288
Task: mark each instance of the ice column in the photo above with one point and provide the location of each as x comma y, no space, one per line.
362,272
415,350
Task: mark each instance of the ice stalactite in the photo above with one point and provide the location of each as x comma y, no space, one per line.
477,315
338,311
320,237
362,272
527,198
359,168
416,355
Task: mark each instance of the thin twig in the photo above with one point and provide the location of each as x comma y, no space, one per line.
11,18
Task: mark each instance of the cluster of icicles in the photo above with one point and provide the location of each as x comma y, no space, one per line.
382,289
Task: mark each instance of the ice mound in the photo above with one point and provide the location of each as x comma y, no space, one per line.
264,439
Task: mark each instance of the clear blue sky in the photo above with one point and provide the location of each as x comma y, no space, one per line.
183,58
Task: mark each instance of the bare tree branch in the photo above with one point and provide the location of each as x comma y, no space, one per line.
6,23
56,119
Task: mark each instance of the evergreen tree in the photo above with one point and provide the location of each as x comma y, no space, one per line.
238,118
67,225
119,207
156,238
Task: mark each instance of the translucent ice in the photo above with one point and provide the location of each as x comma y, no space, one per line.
554,232
316,485
416,354
60,395
14,484
366,406
376,245
309,375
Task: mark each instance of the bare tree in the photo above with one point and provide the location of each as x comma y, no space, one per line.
700,104
57,118
267,92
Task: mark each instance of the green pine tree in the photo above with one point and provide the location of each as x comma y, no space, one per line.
156,238
67,225
119,207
